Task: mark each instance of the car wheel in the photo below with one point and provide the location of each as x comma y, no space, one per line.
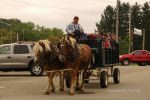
126,62
36,70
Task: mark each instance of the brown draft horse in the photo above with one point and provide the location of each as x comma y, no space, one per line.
75,56
47,55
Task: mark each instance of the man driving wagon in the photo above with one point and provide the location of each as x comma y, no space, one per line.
74,29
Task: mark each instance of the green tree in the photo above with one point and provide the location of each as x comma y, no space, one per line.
136,16
146,24
136,20
27,31
123,18
107,22
124,44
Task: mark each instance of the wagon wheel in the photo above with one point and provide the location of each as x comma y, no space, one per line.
116,76
68,81
103,79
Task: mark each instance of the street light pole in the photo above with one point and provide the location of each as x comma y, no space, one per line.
117,21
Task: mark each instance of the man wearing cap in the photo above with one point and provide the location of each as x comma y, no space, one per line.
74,29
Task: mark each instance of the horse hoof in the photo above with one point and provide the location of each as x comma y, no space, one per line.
77,89
81,90
53,90
71,94
46,93
61,89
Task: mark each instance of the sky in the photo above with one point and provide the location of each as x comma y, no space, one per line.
58,13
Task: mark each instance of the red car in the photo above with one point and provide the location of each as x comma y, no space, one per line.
141,57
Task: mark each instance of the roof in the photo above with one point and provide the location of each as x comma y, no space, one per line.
17,44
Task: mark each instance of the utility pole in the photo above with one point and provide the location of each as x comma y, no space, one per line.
17,37
117,21
130,35
18,32
143,39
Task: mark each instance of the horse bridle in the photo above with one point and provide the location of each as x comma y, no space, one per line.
54,53
69,55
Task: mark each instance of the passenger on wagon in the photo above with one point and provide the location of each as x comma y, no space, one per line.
114,42
107,43
98,35
74,29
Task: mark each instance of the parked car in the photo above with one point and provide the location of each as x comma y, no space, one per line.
18,57
140,57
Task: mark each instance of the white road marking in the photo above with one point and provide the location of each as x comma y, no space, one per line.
125,90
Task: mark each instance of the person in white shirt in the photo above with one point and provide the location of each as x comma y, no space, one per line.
74,29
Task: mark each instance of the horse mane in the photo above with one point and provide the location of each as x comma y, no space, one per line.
70,40
46,43
38,48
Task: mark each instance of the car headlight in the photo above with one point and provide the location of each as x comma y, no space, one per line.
120,56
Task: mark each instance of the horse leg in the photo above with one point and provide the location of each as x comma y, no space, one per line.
61,83
73,82
77,82
82,83
47,91
51,82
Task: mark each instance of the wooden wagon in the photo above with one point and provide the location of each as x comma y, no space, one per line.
104,60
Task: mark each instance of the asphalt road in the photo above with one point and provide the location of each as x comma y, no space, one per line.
135,85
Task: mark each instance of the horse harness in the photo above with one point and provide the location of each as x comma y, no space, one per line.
53,55
71,56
